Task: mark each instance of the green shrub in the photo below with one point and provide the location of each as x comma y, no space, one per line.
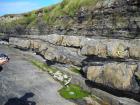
71,6
50,14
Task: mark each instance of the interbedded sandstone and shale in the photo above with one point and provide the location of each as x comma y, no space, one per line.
99,37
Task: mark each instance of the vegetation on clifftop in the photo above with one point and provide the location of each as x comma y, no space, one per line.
67,7
45,16
78,17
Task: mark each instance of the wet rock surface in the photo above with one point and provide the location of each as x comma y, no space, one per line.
21,83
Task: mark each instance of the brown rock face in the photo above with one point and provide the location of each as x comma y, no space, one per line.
115,75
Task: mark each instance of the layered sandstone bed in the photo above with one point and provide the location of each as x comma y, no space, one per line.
112,63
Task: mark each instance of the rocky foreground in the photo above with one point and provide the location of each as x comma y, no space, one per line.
21,83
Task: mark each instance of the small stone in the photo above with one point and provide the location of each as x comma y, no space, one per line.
65,76
71,93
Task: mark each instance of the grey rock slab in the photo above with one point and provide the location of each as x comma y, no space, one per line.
20,77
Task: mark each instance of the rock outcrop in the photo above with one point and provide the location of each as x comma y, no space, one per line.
106,18
103,39
113,48
110,62
115,75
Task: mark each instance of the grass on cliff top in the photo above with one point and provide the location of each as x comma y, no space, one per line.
18,23
66,7
27,19
73,92
50,14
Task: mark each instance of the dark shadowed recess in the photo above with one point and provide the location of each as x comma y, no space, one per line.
1,68
94,58
116,92
22,100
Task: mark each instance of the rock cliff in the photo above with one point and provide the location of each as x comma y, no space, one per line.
108,18
102,38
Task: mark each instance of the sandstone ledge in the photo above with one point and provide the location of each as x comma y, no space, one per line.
115,48
110,62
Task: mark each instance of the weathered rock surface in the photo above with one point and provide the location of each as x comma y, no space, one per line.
104,40
110,62
21,43
103,96
114,48
21,83
115,75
